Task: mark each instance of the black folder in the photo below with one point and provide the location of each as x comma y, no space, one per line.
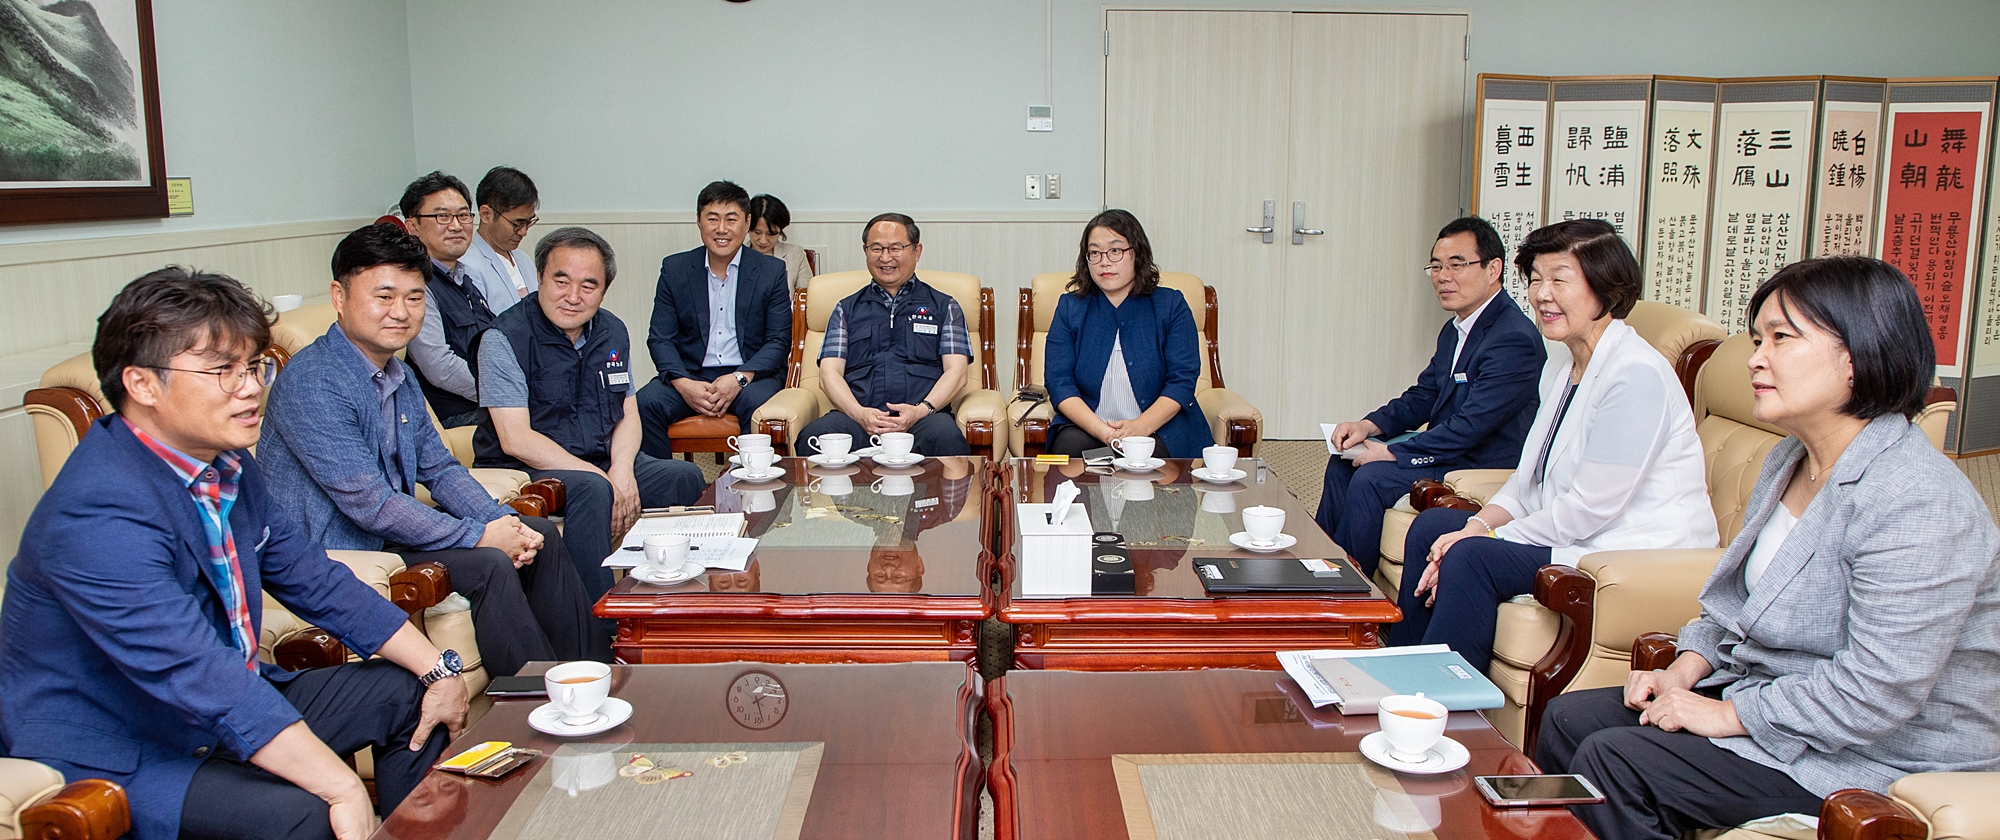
1249,575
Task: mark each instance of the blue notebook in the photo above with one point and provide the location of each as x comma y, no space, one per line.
1363,681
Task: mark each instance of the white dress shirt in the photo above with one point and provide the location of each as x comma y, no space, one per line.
722,348
1464,327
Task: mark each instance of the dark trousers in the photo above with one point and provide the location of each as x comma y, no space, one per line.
1475,576
1657,784
1353,501
661,406
587,510
1070,439
374,704
937,434
538,612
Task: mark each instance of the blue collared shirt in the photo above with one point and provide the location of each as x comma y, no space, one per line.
722,347
386,380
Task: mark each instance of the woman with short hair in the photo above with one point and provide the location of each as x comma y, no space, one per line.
1611,461
1850,633
1122,358
768,219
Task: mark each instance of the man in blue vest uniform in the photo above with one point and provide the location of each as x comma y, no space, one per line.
129,636
722,324
1477,396
438,209
555,378
895,352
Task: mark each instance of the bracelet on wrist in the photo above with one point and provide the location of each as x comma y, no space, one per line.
1482,523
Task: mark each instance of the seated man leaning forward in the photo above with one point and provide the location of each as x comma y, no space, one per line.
1477,396
128,639
348,442
722,325
896,352
555,377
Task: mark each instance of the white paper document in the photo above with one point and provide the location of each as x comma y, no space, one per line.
1326,434
1298,664
697,527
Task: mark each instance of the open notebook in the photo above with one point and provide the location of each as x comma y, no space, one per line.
696,526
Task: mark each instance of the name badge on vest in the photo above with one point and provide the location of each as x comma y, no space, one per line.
926,329
619,379
1458,377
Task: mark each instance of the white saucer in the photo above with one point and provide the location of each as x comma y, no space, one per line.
744,474
1130,465
1218,478
687,572
545,718
1241,539
825,460
888,460
1443,757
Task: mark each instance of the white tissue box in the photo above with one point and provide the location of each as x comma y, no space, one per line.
1053,560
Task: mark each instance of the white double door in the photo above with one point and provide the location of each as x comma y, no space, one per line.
1348,127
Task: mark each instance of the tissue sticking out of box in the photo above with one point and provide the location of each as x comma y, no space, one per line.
1066,493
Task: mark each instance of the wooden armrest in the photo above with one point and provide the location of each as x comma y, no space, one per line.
86,809
314,648
527,505
1866,815
1653,651
1573,595
550,490
419,587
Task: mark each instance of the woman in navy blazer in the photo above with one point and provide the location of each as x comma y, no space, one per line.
1114,296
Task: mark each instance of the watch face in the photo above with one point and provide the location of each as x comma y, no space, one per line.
756,700
452,662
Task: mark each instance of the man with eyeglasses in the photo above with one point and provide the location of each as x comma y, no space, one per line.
896,351
1475,400
507,203
722,324
438,209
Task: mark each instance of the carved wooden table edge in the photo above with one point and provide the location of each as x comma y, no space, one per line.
1000,775
971,769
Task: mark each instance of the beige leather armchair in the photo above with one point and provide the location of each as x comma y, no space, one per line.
1231,419
978,408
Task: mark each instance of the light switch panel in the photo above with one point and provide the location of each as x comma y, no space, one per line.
1054,188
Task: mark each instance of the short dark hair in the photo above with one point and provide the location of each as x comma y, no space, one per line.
576,237
505,188
372,245
1485,239
1145,275
909,227
720,191
768,208
1873,308
168,312
436,181
1608,264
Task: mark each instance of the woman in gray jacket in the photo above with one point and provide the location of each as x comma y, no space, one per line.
1850,635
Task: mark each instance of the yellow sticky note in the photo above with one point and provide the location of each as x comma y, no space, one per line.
1051,459
467,759
180,196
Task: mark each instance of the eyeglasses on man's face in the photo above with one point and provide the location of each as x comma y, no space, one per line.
895,250
1450,266
520,226
1096,257
232,378
463,217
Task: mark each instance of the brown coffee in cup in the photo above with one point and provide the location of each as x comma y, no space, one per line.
1414,713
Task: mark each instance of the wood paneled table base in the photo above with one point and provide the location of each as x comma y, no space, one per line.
1168,518
1054,733
899,759
855,564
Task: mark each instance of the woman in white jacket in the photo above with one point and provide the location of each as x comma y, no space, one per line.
1611,462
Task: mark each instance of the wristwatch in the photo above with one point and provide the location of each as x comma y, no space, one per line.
926,403
742,381
449,665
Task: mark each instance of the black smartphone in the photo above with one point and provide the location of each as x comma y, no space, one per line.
517,687
1523,791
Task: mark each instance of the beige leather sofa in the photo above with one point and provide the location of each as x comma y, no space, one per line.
978,408
1231,419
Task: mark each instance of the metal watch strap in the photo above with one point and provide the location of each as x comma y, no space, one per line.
742,381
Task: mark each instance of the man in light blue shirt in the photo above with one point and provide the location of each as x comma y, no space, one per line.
507,203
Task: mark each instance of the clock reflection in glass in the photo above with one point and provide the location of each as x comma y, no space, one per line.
756,700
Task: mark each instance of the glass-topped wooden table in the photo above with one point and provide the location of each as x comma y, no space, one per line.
1168,519
898,760
853,564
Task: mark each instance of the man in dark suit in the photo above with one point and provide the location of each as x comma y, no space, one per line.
722,324
1478,396
129,636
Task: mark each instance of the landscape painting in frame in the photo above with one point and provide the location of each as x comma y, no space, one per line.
79,112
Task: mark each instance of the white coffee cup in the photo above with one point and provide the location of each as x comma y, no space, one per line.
1264,523
758,461
832,485
758,501
1133,448
895,444
287,303
1412,723
667,551
742,442
576,689
835,446
894,485
1133,490
1219,459
1215,502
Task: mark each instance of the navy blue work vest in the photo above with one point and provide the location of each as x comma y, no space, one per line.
890,360
464,321
576,396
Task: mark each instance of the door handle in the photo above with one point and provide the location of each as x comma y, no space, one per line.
1270,222
1299,229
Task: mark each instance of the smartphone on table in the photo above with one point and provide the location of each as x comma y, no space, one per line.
1525,791
517,686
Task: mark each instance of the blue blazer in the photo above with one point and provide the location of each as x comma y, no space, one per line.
1477,422
115,658
1162,359
322,435
678,337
